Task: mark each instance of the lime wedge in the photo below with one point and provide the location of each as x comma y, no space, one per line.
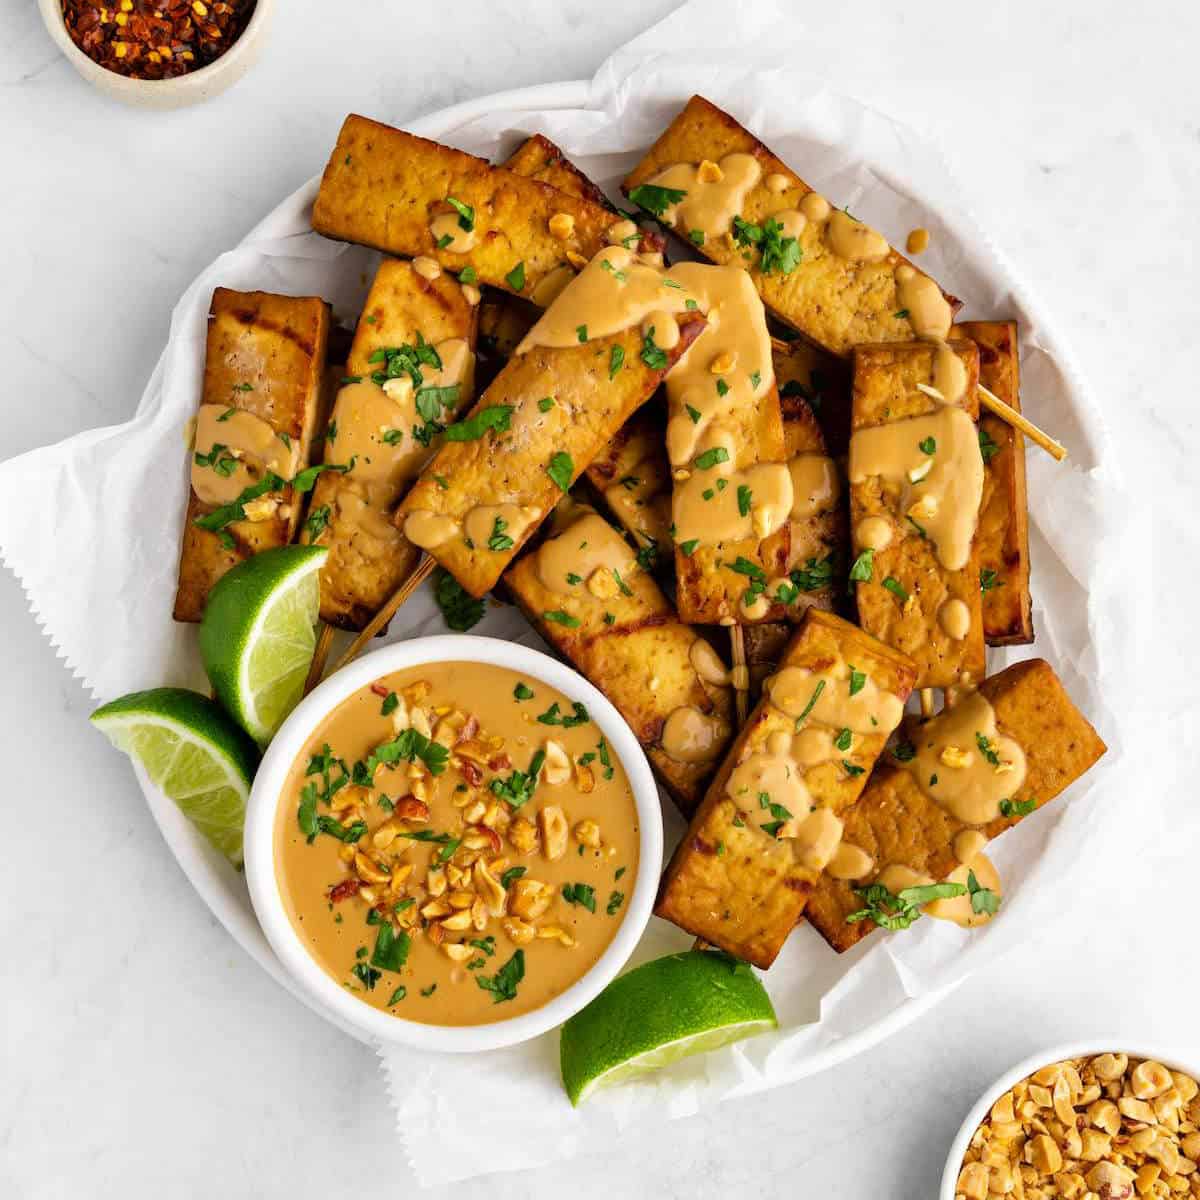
258,635
661,1012
192,752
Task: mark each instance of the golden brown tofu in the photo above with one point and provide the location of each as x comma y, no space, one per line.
388,189
634,477
835,291
896,823
265,357
537,157
385,437
823,382
916,517
754,851
1004,513
517,470
617,627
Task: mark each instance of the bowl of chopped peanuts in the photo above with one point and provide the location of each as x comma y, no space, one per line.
1102,1120
159,54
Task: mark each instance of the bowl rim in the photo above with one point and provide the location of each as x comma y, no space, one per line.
1185,1062
264,801
55,22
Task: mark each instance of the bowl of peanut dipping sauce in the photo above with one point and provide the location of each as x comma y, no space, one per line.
1101,1120
454,843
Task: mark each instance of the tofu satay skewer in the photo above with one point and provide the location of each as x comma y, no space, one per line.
258,417
770,821
596,355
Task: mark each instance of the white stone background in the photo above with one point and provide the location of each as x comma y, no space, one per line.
141,1052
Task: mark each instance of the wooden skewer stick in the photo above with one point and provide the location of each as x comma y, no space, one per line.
388,611
320,654
741,673
926,697
1006,412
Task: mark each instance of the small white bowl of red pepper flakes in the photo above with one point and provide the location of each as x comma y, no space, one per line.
159,53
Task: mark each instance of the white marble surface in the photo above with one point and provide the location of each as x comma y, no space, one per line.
141,1053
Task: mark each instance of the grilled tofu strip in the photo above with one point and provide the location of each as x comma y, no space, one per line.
380,426
817,269
585,594
539,158
391,190
901,821
732,494
1004,513
770,819
634,477
916,477
823,382
259,411
548,413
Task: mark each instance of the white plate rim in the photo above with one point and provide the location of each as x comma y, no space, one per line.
203,870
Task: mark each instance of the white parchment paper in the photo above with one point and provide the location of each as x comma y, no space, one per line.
93,537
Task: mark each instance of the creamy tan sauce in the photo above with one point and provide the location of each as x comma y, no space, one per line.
870,710
375,422
940,490
493,523
622,233
814,485
815,207
968,844
690,736
614,292
569,562
251,449
429,530
955,619
928,310
719,516
852,239
917,241
776,184
812,745
715,193
707,663
373,524
551,286
850,862
958,908
447,225
949,375
953,767
328,898
873,533
772,775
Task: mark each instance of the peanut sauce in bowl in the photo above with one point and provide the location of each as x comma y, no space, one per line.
454,842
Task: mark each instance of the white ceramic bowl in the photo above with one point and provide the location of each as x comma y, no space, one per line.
1190,1065
260,843
191,88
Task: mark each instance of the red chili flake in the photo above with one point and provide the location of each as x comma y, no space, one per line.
380,690
492,836
499,762
470,772
155,39
344,890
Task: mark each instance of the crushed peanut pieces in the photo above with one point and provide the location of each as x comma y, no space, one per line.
1102,1128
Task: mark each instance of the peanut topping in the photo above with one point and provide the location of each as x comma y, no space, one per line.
562,225
1088,1129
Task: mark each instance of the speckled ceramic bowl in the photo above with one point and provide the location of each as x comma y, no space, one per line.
165,93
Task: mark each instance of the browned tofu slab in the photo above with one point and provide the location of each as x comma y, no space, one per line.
634,477
383,188
904,600
507,474
265,356
539,158
352,512
821,380
895,822
1004,513
735,883
624,635
837,302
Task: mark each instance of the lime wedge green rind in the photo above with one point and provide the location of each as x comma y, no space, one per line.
659,1013
192,752
258,635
